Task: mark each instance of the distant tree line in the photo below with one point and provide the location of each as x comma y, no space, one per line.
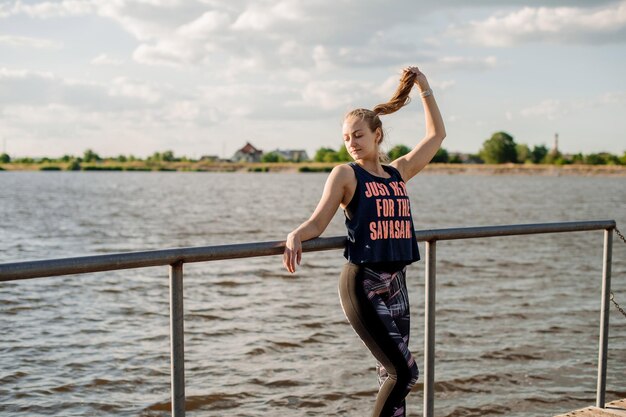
501,148
342,155
91,157
498,149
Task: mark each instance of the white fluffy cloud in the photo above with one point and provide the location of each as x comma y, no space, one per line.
29,42
319,33
38,88
188,67
261,17
123,87
547,24
206,25
549,108
287,32
553,109
465,63
48,9
104,59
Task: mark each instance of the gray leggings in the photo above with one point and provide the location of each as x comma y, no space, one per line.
377,306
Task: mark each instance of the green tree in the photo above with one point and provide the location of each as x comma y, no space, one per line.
577,158
121,158
324,154
456,159
594,159
331,157
554,157
602,158
398,151
168,156
475,158
538,154
612,159
622,159
441,156
523,153
90,156
155,157
272,157
74,165
5,158
498,149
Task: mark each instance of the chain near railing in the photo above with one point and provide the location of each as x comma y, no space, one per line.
612,298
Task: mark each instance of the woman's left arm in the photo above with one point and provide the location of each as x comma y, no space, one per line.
413,162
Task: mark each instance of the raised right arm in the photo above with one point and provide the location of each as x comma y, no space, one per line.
336,190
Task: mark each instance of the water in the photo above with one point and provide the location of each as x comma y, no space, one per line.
517,317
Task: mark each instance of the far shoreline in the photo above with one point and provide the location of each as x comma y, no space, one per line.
309,167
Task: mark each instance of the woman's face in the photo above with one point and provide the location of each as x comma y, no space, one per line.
360,141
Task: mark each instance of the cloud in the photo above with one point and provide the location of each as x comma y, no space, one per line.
55,129
333,95
28,42
465,63
549,108
206,25
246,35
276,32
48,9
611,98
552,109
124,87
167,53
586,25
38,88
261,17
150,20
46,108
104,59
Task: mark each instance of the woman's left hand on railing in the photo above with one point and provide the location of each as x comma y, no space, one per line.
293,252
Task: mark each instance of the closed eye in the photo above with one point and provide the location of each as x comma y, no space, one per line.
346,138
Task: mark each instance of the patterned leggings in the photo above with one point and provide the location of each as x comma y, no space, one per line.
377,306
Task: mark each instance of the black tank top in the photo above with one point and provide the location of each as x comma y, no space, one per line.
379,221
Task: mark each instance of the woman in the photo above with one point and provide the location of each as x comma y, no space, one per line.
381,239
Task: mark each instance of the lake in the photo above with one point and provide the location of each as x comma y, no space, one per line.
517,317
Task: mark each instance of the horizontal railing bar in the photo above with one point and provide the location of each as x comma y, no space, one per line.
512,230
144,259
129,260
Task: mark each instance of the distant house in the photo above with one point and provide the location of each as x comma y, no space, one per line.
247,154
293,155
209,158
465,158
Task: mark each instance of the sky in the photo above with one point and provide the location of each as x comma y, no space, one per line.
203,77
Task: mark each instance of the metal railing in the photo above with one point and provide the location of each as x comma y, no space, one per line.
175,258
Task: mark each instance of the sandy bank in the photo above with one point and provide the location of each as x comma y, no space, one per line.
433,168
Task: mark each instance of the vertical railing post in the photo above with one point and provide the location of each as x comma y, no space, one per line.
429,329
604,317
177,335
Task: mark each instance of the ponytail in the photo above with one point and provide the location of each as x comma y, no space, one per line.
400,97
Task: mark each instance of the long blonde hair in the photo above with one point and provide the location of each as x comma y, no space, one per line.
400,99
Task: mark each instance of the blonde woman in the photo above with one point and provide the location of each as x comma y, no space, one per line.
381,241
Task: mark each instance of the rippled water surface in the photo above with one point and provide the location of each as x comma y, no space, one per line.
517,317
